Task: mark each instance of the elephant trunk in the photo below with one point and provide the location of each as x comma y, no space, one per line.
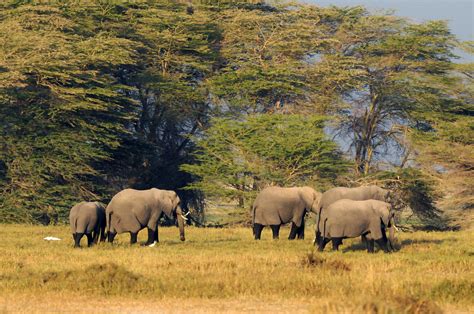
179,215
391,233
108,222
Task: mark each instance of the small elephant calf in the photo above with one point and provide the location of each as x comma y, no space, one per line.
87,218
350,219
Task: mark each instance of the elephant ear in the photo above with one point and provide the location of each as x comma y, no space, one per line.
385,215
306,194
166,203
175,199
317,196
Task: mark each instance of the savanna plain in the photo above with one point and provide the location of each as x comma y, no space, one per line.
226,270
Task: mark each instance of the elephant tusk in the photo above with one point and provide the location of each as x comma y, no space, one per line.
395,227
187,214
184,217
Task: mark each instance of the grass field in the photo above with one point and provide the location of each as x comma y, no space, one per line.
225,270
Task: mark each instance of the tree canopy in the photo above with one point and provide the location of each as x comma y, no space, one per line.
220,98
237,158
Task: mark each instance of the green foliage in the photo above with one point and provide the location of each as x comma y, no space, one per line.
62,112
238,158
386,70
264,53
414,197
96,96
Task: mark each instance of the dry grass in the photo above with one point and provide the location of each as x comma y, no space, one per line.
225,270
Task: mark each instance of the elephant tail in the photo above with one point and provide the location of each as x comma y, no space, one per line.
108,218
254,208
391,233
324,230
318,231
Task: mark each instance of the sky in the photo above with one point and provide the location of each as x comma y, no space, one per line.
458,13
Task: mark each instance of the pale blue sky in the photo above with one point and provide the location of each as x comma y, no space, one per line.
458,13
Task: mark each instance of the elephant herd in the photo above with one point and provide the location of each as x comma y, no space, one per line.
341,213
129,211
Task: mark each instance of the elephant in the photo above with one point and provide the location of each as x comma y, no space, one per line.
275,206
356,194
87,218
348,219
132,210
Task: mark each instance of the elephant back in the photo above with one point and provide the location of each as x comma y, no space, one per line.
276,205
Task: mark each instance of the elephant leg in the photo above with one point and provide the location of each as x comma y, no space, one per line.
133,237
96,235
78,238
156,234
293,231
275,231
300,230
335,243
322,243
370,246
388,244
382,243
151,236
111,236
365,241
102,234
257,231
317,238
90,239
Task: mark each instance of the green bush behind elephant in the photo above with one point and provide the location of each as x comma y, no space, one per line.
275,206
132,210
349,219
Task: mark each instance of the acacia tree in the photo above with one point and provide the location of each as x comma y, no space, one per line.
444,144
384,70
178,50
238,158
101,96
61,110
263,58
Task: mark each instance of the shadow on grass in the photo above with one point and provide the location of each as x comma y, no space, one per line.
426,241
398,245
176,242
355,247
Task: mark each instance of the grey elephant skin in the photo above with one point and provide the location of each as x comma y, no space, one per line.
370,192
275,206
362,193
87,218
349,219
132,210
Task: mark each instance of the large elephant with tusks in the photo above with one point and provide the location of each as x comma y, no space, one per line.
275,206
132,210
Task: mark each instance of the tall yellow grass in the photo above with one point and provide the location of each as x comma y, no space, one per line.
225,269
